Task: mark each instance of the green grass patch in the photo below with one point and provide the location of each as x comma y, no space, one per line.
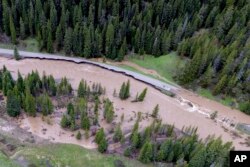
72,156
228,101
6,46
166,65
30,44
6,162
205,93
127,67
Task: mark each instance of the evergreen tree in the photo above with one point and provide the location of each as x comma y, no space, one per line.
220,85
87,43
30,105
146,153
85,123
103,145
12,30
59,38
118,136
127,90
68,41
142,95
206,80
78,135
99,136
20,83
82,88
109,39
49,40
199,158
70,109
155,111
22,29
122,50
108,111
13,104
65,122
16,54
6,17
45,104
7,82
122,91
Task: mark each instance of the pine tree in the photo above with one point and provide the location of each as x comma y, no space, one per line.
6,17
68,41
16,54
59,37
108,111
72,123
118,136
65,122
207,77
45,104
99,136
123,50
85,123
146,153
7,82
49,40
110,33
199,158
20,83
86,134
70,109
135,140
137,40
122,91
87,43
81,92
13,104
30,105
220,85
12,30
78,135
142,95
22,29
155,111
53,17
103,145
127,90
81,107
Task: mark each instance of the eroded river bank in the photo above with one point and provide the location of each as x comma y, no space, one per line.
187,109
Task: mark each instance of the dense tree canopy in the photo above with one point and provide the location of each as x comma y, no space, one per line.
214,35
91,28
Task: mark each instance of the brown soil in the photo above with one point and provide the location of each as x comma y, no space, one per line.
187,109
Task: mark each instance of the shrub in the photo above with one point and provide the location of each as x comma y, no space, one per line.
79,135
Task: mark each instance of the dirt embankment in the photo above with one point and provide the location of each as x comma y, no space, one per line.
188,110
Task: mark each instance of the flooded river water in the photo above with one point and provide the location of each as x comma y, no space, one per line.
177,111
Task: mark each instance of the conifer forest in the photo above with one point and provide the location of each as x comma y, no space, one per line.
124,83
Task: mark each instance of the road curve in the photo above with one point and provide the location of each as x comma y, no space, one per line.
164,87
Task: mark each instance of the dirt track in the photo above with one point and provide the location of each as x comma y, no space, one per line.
172,110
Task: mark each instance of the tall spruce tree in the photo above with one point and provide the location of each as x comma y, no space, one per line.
13,104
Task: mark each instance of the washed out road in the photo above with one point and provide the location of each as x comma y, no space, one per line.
148,80
187,108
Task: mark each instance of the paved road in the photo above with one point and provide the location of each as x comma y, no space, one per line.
148,80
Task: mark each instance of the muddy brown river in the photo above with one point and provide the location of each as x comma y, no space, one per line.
177,111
